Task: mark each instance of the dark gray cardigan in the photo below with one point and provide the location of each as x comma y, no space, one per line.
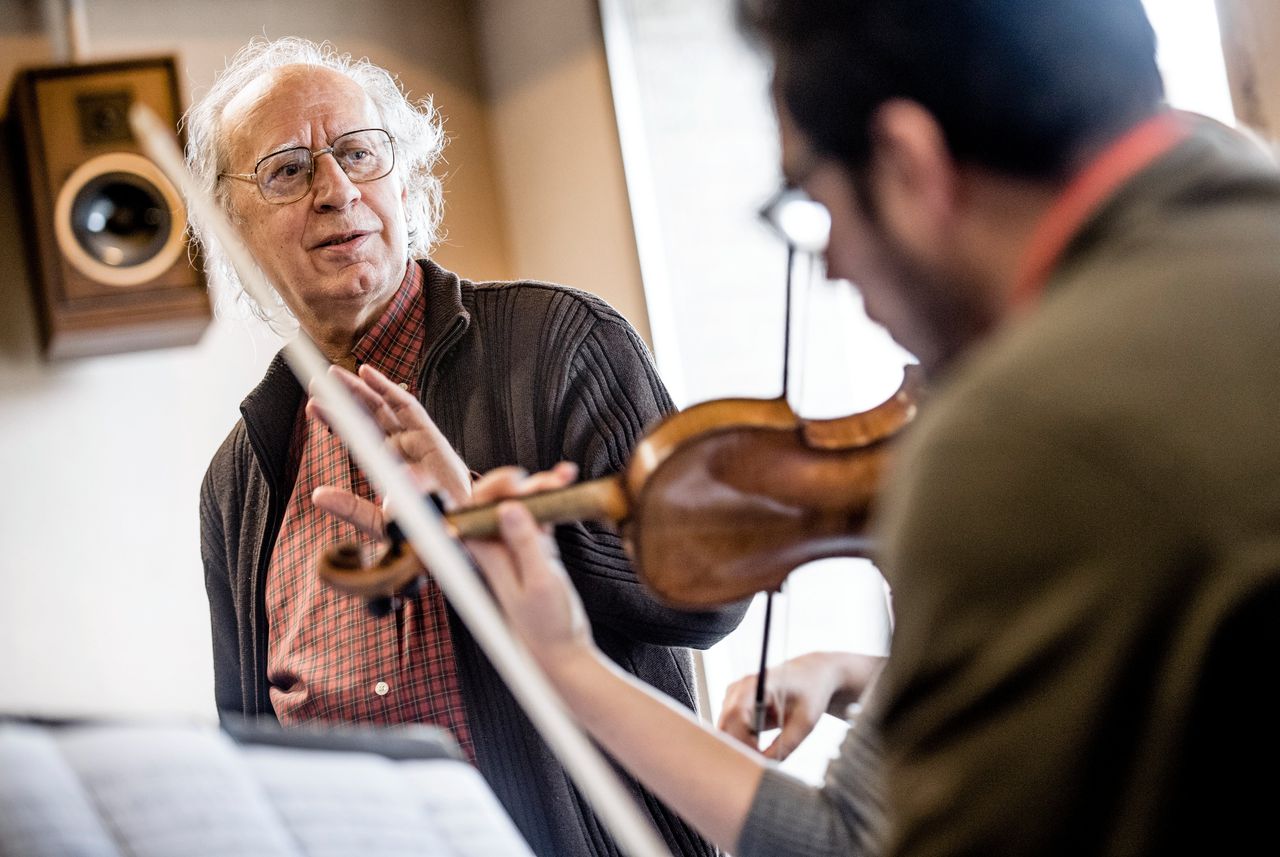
515,373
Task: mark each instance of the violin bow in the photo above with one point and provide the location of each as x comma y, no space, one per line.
422,526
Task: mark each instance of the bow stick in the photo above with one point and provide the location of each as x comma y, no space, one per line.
422,526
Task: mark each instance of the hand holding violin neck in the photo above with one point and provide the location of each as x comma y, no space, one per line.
397,567
602,499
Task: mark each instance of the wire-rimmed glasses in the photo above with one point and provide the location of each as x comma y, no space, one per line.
283,177
803,223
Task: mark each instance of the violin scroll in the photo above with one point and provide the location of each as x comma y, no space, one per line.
395,576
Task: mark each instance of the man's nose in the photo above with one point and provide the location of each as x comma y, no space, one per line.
333,189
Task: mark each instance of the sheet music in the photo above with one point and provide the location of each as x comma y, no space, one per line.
354,803
164,791
43,808
467,814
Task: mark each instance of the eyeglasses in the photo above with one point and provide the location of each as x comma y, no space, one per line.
799,220
284,177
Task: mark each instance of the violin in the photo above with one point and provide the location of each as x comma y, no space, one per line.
717,502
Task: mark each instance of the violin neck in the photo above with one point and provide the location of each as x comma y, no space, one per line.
602,499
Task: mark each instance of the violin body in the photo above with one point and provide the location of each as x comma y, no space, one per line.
718,502
733,512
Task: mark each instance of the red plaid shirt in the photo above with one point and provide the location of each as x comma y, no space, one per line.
327,658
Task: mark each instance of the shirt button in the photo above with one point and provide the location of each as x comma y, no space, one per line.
403,386
381,688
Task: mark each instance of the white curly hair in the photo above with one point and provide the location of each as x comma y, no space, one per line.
416,127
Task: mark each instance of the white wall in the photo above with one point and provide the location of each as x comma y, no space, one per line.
103,607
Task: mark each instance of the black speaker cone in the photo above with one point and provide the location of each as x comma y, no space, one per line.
120,219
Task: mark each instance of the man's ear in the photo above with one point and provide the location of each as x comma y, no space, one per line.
912,176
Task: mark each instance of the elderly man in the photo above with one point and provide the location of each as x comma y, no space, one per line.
1083,533
326,170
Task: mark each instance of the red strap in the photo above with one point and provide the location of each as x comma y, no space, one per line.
1092,186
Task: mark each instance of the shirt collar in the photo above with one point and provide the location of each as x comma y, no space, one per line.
1085,194
395,342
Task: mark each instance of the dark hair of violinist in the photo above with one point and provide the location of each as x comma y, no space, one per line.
1019,88
1083,530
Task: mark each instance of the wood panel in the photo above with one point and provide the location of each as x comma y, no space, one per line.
1250,38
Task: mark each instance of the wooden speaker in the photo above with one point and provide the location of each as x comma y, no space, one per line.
110,264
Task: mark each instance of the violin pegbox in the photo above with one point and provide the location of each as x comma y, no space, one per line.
395,577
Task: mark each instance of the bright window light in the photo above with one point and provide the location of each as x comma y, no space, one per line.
1189,52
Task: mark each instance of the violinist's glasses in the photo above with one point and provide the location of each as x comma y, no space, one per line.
803,223
284,177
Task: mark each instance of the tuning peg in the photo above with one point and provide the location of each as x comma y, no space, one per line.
396,536
384,606
413,587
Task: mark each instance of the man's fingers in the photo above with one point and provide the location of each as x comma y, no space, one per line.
497,484
737,699
371,404
736,722
411,433
397,398
384,386
366,516
495,567
504,482
410,450
776,750
382,413
795,728
529,545
420,444
559,476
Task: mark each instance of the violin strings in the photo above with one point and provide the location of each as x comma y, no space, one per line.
781,671
761,708
786,326
763,674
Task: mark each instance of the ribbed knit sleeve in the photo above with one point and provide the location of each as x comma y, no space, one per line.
789,818
613,396
228,693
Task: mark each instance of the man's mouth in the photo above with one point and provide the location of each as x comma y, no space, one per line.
340,238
